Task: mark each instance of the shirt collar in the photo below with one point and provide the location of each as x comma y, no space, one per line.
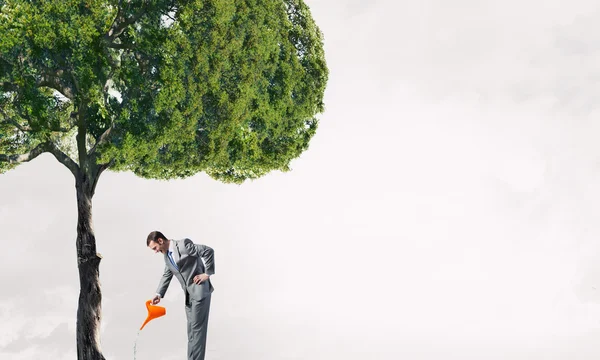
171,246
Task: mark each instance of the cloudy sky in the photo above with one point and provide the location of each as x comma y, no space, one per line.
446,208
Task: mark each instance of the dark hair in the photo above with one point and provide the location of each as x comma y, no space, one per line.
154,236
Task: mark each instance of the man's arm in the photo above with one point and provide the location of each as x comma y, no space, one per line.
204,252
165,280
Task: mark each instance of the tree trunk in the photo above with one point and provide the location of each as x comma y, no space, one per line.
88,261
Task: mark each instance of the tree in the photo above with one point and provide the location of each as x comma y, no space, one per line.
163,88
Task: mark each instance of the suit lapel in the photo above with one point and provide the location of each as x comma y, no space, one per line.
176,255
177,252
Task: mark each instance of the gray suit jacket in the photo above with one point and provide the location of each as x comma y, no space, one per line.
188,257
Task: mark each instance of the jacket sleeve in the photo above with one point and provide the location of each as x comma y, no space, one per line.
202,251
165,280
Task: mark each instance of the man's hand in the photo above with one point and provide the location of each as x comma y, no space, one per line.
199,279
156,300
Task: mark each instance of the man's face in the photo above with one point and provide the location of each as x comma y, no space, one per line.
158,246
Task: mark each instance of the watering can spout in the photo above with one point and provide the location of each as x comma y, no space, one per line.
153,312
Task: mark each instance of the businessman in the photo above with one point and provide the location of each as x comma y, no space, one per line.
192,264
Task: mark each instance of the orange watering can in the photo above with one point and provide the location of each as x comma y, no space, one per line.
153,312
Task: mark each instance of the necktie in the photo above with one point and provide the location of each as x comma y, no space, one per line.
172,260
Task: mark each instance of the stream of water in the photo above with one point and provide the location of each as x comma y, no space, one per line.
135,344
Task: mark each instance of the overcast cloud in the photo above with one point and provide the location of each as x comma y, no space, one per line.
446,209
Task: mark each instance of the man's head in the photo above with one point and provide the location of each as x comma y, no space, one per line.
158,242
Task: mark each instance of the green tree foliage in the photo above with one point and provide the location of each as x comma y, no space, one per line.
161,88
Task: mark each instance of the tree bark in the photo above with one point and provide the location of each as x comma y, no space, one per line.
88,261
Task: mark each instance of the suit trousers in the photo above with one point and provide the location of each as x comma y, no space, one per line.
196,312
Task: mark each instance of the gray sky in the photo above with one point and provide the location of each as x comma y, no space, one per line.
445,209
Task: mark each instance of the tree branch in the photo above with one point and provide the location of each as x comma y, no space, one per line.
8,86
99,169
52,82
126,46
168,15
21,158
103,167
75,82
52,78
48,79
62,158
25,128
101,140
118,16
81,136
37,151
117,28
13,122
